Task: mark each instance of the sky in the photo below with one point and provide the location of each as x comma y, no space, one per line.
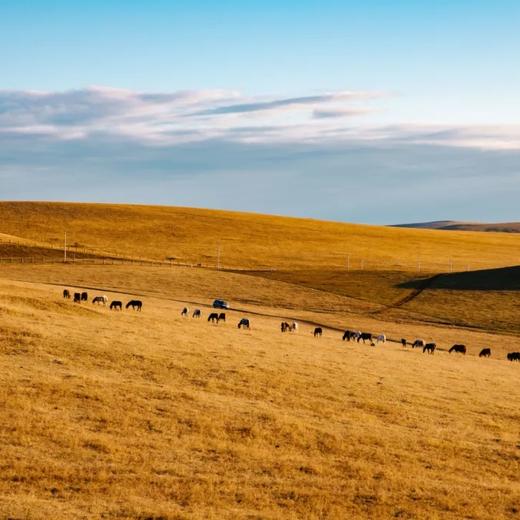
375,111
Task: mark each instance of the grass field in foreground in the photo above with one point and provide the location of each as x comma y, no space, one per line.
148,415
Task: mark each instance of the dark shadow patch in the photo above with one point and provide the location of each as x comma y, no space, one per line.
503,279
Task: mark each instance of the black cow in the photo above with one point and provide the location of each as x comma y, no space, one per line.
418,343
116,305
136,305
66,293
222,316
196,313
365,336
185,311
430,348
513,356
244,323
213,317
461,349
485,352
403,342
318,331
348,335
84,297
77,297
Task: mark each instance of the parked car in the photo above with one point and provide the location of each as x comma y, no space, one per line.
220,304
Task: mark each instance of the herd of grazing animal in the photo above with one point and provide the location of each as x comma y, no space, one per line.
244,323
115,305
357,336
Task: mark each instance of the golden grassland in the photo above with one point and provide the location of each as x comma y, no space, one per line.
252,241
446,317
487,300
153,416
150,415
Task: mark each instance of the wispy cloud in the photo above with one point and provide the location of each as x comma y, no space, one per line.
166,119
218,148
294,103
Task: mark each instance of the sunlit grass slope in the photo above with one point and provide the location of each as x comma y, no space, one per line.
246,240
370,307
149,415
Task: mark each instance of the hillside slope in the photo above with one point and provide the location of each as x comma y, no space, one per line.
150,415
245,240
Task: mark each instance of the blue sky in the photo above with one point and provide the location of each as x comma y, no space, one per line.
158,101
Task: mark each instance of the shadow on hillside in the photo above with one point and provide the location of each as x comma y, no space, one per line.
503,279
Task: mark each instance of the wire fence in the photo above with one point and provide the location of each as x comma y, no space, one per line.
362,264
55,254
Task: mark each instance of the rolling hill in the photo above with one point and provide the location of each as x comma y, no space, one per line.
249,241
151,415
453,225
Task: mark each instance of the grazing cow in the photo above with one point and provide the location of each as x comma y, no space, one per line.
429,347
418,343
285,327
513,356
365,336
318,331
84,297
403,342
222,316
196,313
213,317
461,349
66,293
381,338
348,335
485,352
77,297
103,300
116,305
136,305
244,324
185,311
294,326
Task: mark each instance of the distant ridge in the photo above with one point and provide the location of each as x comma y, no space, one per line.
454,225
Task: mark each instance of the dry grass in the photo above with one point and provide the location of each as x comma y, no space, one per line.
450,321
128,415
252,241
486,300
149,415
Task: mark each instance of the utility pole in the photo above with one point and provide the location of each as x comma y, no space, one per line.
65,249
